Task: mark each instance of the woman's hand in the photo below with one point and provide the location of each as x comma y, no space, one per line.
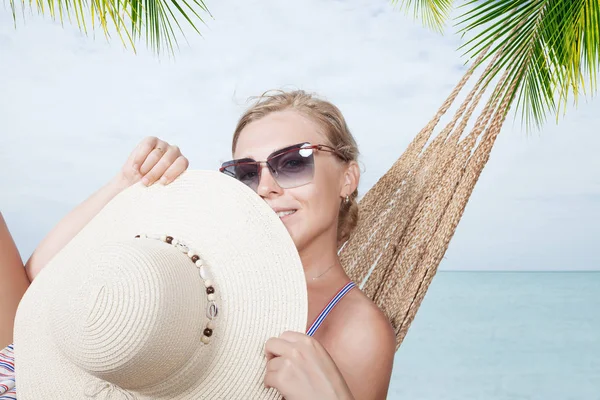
151,161
300,368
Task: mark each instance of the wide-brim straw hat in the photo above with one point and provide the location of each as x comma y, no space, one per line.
183,313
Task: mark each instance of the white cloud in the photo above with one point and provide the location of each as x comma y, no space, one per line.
72,108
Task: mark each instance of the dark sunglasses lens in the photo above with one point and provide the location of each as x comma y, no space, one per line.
246,173
294,168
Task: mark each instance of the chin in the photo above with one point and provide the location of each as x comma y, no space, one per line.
297,237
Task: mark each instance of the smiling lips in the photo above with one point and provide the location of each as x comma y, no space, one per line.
282,214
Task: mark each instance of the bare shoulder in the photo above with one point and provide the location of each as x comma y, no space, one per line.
362,342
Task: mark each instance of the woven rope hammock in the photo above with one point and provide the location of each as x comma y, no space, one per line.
408,218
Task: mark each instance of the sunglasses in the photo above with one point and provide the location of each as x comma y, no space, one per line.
291,167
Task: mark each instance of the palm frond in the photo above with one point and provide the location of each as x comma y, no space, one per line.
433,13
551,49
158,21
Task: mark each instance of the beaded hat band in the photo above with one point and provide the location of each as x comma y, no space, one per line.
204,273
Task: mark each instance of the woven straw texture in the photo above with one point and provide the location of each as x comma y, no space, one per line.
132,311
407,219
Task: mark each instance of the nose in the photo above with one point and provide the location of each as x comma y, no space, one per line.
267,185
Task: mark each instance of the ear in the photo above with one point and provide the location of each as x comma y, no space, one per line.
351,179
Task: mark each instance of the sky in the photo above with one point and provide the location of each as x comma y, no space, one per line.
72,107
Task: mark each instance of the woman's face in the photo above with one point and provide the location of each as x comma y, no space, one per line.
309,212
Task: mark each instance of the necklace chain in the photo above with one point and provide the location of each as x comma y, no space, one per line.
323,273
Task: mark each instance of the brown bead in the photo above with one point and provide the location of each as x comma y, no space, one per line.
195,258
208,332
210,290
169,239
137,236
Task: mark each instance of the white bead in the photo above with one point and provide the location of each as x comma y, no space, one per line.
208,283
205,273
163,238
199,263
205,339
211,325
212,310
192,253
211,297
143,235
174,242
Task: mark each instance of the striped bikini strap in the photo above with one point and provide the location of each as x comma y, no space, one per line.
336,299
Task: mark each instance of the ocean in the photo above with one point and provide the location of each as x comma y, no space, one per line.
503,336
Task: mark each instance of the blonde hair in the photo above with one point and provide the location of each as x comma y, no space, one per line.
334,127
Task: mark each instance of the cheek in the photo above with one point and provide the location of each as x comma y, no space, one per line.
321,199
328,183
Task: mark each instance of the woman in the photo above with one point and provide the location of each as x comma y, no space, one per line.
297,153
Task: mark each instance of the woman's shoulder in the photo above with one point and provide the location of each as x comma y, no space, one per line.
359,325
358,313
361,340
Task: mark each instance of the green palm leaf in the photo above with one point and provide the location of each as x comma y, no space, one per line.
156,20
551,49
433,13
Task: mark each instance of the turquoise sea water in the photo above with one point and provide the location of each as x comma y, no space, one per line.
503,336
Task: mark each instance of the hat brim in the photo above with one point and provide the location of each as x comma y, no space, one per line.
252,257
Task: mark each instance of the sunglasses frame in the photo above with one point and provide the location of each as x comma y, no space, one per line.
276,154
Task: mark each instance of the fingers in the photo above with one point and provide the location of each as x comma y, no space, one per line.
276,347
273,376
177,168
276,364
287,360
292,336
142,151
154,156
157,162
287,343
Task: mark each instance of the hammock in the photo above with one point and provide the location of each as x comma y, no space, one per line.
408,218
